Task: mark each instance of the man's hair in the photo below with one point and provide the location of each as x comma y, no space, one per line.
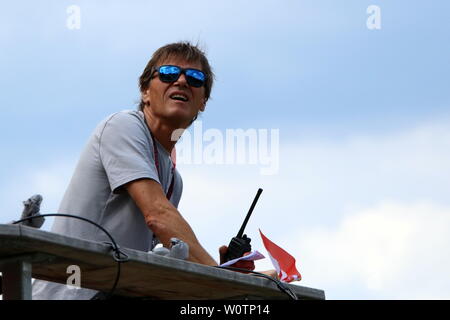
184,50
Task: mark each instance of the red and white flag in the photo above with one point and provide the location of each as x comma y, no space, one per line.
283,262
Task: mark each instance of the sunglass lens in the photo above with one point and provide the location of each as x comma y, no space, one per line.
169,73
195,78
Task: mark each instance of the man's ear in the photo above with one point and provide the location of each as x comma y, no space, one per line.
146,96
203,106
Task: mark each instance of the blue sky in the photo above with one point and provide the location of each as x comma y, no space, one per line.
363,117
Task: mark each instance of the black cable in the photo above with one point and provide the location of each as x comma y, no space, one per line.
116,251
279,284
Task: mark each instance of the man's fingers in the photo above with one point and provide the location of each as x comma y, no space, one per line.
243,264
222,251
249,265
271,273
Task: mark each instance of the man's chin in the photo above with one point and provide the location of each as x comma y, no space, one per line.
179,120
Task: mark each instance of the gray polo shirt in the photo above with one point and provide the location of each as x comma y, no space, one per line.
119,151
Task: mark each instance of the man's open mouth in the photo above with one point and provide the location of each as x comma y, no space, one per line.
179,97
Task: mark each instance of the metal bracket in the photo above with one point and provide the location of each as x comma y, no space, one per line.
17,272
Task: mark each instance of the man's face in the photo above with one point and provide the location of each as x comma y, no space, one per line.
160,96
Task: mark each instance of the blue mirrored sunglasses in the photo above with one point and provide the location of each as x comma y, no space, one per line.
169,73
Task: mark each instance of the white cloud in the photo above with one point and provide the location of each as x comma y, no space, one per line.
392,251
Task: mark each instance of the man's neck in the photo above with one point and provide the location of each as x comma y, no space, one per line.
165,133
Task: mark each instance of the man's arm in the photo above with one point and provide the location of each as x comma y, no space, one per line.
164,219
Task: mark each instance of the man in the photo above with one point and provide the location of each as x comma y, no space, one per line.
126,180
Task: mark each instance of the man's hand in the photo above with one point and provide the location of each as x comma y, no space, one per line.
243,264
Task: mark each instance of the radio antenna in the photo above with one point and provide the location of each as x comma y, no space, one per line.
241,231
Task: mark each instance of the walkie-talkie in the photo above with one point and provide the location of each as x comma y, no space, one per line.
241,243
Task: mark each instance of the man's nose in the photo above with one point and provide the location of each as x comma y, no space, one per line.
181,80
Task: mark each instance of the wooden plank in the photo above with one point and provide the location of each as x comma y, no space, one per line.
144,275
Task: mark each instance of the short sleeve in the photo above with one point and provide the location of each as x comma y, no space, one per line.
126,151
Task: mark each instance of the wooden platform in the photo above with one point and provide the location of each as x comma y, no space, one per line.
144,275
